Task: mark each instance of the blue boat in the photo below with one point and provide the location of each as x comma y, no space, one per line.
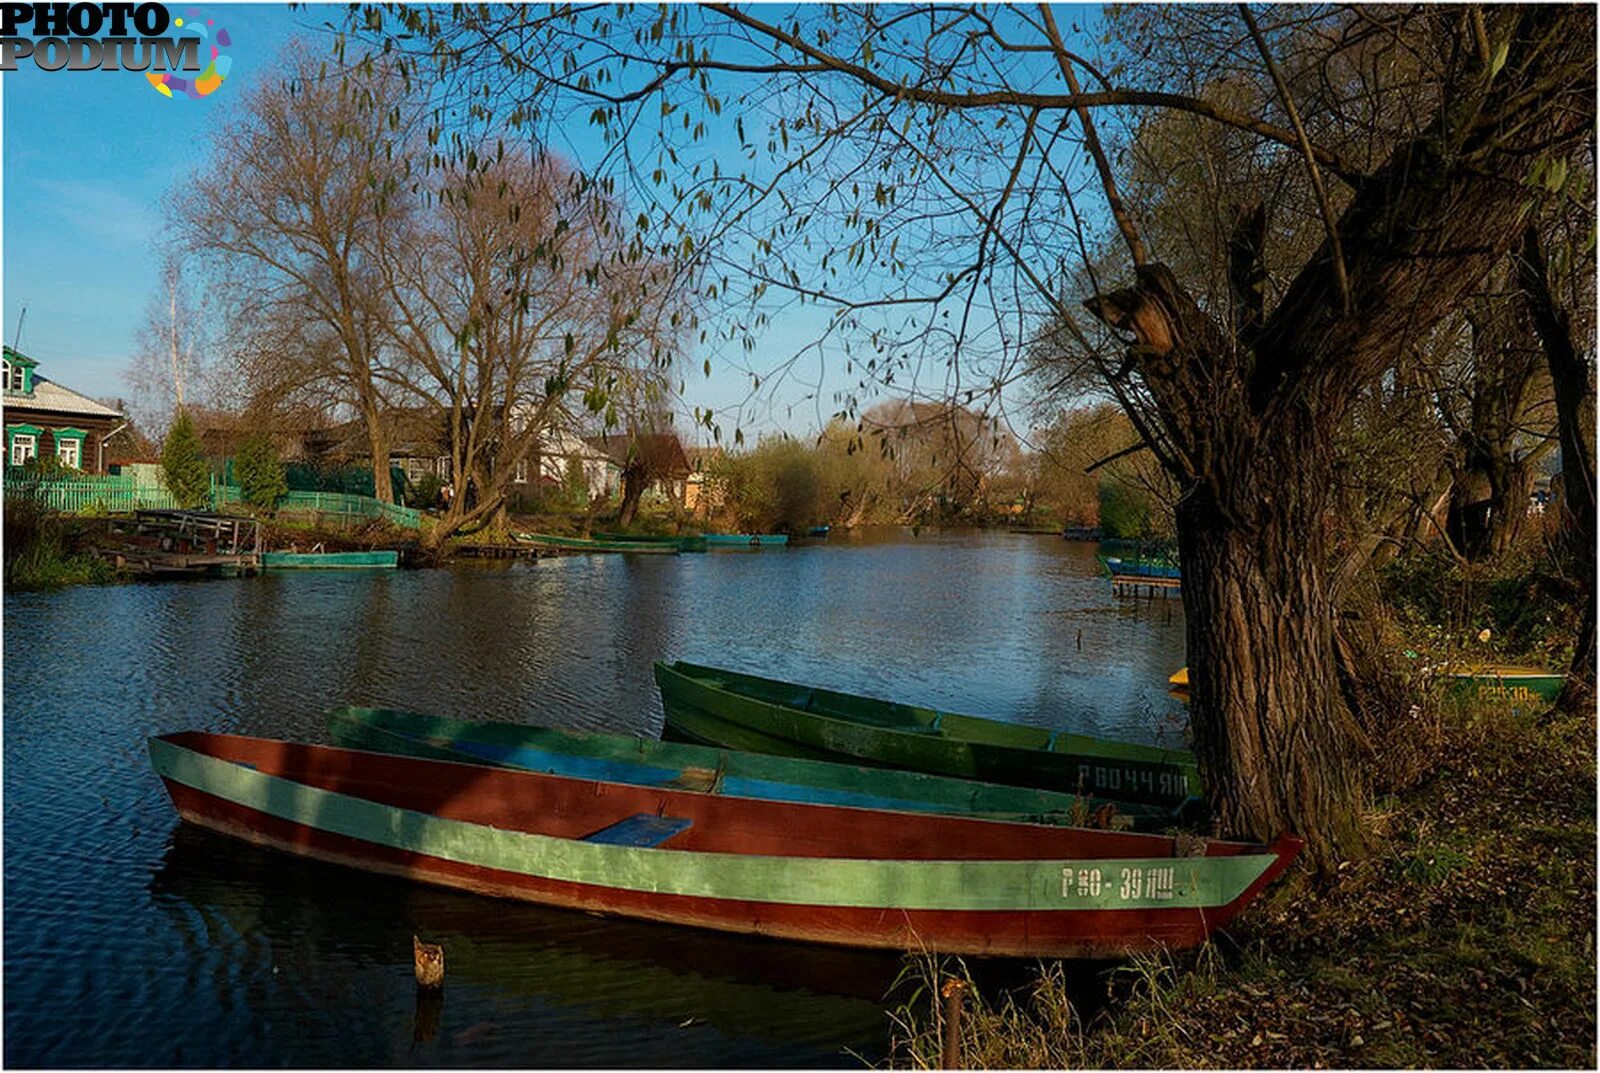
746,540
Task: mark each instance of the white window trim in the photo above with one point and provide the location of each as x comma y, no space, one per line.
72,445
28,444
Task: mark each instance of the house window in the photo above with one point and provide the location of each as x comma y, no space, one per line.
24,445
16,377
519,473
70,452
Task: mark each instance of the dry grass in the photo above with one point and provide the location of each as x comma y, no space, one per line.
1466,939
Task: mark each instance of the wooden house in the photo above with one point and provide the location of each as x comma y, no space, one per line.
44,419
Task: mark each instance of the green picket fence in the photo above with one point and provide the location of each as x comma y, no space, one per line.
121,494
345,507
93,495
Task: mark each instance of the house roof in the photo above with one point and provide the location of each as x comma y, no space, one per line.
49,396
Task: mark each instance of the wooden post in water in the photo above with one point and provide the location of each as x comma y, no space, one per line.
950,1052
428,960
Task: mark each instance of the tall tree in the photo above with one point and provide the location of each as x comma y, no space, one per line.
513,304
284,211
923,175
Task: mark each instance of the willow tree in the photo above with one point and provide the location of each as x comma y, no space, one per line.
935,177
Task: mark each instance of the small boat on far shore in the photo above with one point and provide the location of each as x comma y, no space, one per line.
690,542
746,540
564,543
330,560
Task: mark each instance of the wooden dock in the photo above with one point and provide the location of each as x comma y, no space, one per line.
502,551
184,543
1140,585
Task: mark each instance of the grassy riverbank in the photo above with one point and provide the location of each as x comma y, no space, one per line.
1467,939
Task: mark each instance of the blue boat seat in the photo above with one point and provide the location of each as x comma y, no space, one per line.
642,831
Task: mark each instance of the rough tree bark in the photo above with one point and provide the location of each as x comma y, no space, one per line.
1248,412
1574,391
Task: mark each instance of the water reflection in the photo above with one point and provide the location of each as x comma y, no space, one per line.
129,942
328,927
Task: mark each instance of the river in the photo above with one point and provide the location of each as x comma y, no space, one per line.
131,941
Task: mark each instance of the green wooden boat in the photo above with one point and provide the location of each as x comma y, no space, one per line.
563,543
692,542
742,711
747,540
330,560
1526,685
646,762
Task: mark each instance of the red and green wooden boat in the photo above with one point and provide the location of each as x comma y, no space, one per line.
646,762
845,876
564,543
742,711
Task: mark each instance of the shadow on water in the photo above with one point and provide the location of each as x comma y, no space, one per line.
670,996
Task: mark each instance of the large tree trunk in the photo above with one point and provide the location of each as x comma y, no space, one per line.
1574,391
633,486
1277,750
378,447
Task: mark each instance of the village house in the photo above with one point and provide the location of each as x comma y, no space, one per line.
43,419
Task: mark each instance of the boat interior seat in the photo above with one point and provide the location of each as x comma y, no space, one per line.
642,831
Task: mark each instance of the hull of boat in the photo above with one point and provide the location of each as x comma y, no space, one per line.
332,560
1526,685
625,547
737,711
644,762
845,876
746,540
682,543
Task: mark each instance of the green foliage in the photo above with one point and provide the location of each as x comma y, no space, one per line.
259,472
39,551
183,461
1528,606
1123,511
424,494
779,486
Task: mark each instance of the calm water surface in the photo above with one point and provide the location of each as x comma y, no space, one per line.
130,941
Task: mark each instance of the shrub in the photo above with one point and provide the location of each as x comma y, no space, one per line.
260,474
183,461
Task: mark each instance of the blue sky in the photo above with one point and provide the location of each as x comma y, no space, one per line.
90,157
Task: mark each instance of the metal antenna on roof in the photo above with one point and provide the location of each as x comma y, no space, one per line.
16,342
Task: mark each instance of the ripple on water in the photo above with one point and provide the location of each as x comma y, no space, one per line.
131,941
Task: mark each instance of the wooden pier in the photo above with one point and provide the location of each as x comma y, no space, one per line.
184,543
502,551
1140,585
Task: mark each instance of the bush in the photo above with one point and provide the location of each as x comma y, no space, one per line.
38,554
260,474
423,494
183,461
